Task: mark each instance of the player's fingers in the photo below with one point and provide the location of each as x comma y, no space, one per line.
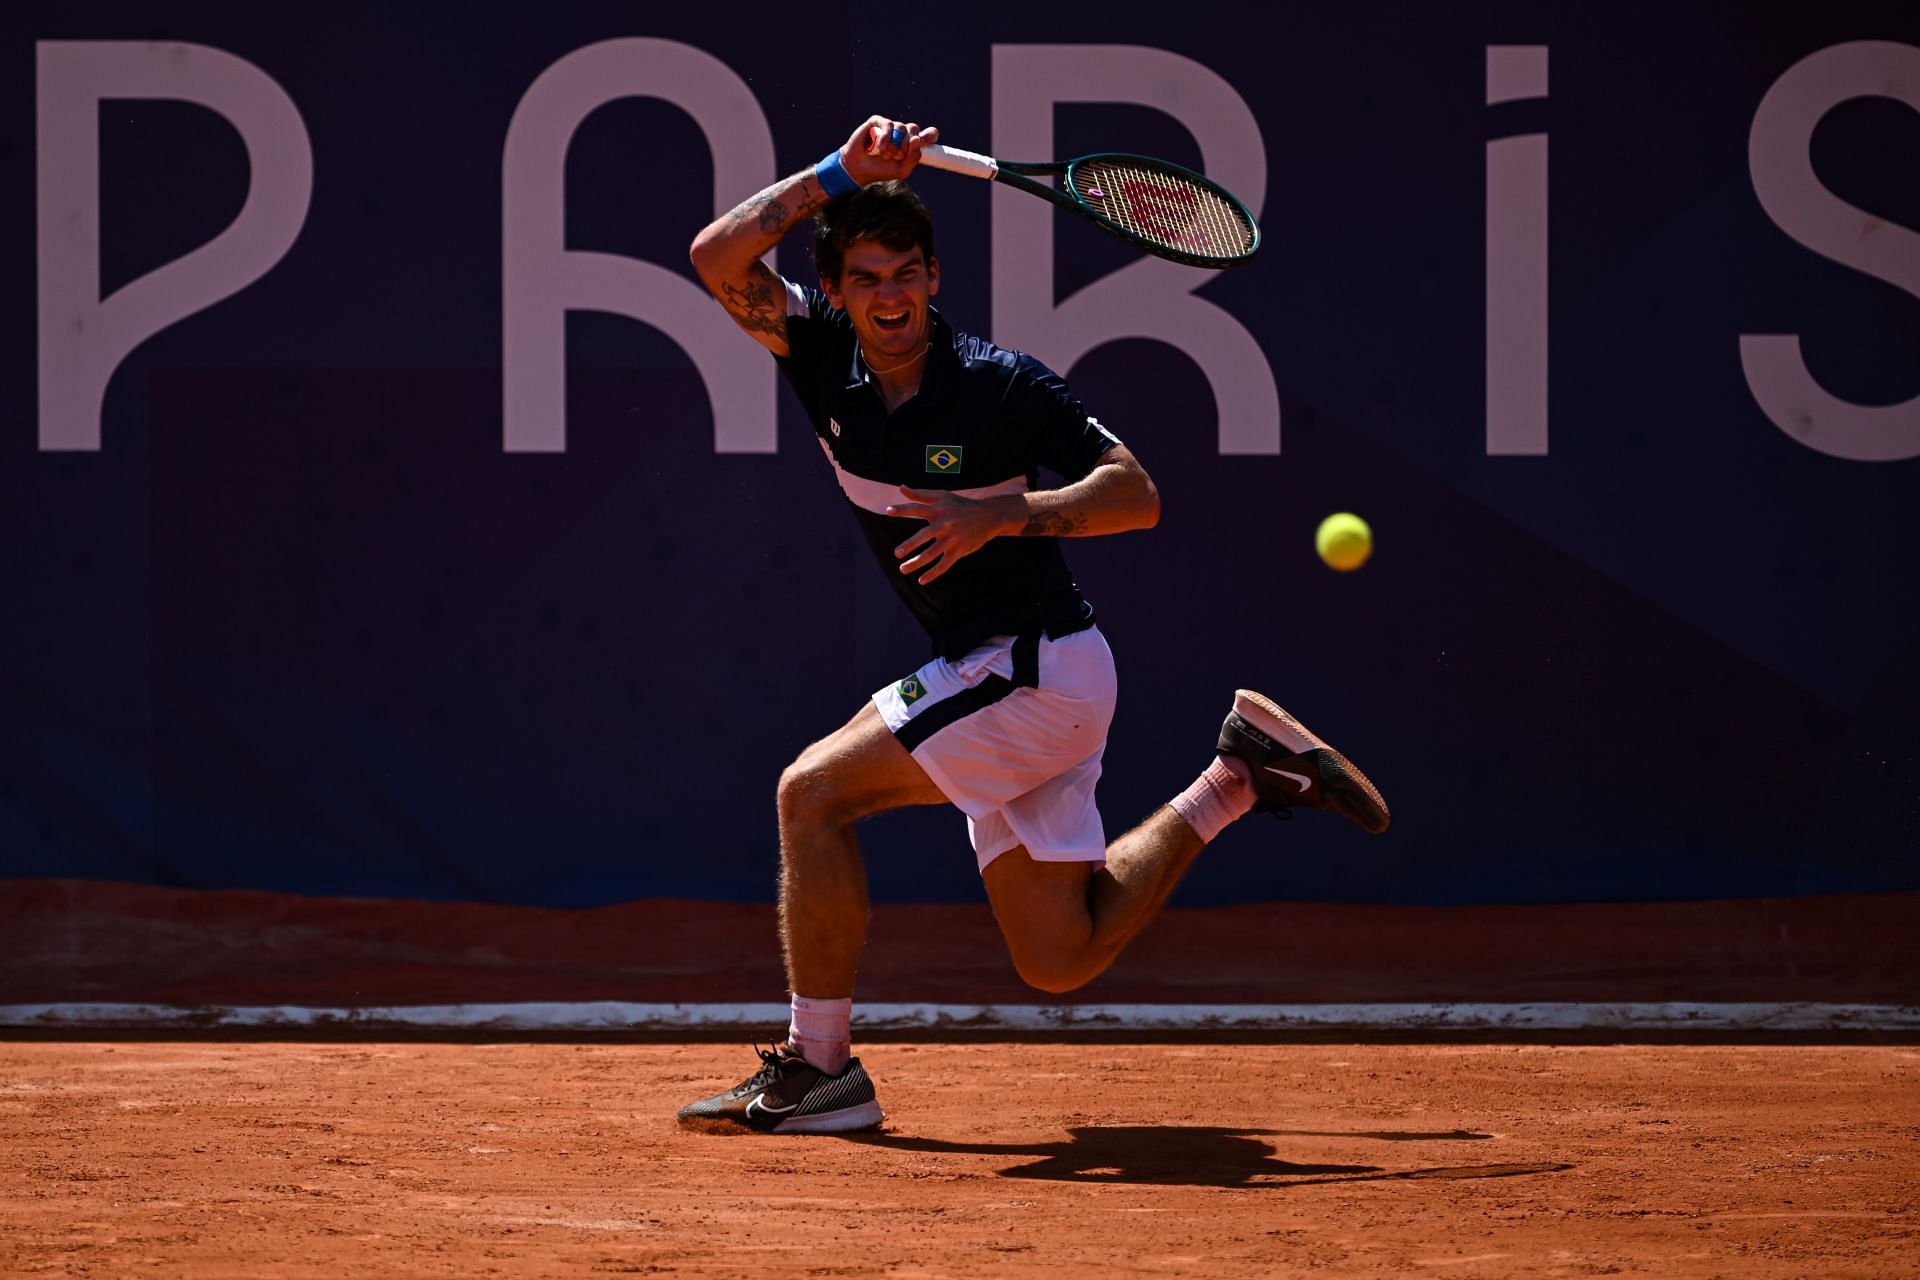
888,139
914,543
928,557
914,506
925,497
924,139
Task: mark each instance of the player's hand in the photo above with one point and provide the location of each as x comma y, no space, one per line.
956,528
883,148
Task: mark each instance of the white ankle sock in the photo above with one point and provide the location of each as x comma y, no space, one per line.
822,1031
1216,799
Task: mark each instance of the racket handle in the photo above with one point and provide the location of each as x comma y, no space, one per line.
954,160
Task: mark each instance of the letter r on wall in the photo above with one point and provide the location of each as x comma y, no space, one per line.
1151,298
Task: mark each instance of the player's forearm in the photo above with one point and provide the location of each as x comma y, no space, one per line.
729,245
1113,498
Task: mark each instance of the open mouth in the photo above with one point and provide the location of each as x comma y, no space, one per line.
891,322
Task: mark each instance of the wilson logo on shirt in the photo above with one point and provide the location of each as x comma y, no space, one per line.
910,690
943,458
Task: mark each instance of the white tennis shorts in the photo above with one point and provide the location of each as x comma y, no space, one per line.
1020,762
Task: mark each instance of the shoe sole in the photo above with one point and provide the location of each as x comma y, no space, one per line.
865,1116
1350,791
847,1120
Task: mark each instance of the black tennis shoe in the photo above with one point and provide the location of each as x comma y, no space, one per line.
788,1094
1290,768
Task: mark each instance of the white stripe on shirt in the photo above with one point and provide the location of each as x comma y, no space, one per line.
877,495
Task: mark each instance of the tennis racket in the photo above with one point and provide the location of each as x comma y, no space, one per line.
1152,204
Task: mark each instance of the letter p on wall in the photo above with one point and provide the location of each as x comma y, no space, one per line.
84,337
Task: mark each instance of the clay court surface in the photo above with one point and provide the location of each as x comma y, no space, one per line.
279,1159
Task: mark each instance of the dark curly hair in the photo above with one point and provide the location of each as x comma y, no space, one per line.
888,212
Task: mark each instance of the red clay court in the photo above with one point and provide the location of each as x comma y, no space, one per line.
329,1160
1078,1156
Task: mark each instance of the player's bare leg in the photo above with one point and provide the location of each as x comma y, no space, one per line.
858,770
812,1083
1065,922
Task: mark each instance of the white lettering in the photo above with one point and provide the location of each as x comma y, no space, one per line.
542,279
83,338
1151,298
1779,157
1517,262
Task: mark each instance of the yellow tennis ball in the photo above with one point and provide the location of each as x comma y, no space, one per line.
1344,541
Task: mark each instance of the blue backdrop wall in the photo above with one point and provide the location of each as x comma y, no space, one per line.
300,619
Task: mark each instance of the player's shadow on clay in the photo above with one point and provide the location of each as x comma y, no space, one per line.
1194,1155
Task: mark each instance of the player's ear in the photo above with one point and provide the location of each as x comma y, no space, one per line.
933,276
832,289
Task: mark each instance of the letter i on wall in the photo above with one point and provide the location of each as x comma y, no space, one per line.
1516,261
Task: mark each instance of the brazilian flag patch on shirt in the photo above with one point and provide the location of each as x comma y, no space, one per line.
911,689
944,458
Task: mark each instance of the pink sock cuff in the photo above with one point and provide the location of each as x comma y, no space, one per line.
825,1020
1217,798
822,1031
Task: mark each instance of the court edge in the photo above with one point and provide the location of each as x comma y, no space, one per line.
934,1020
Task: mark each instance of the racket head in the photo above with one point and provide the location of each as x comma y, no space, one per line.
1163,208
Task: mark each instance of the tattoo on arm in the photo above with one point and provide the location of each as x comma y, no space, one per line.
1053,524
761,307
771,213
750,291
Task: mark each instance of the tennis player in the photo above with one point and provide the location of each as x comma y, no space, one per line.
937,440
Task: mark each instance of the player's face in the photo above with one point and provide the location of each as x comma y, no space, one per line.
885,293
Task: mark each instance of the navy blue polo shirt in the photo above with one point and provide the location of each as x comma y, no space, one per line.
984,422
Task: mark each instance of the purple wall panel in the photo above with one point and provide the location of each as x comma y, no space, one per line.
300,623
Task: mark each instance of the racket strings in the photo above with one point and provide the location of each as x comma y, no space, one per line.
1170,211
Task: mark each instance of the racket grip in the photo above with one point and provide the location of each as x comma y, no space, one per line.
954,160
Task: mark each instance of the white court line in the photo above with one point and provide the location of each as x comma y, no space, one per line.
973,1018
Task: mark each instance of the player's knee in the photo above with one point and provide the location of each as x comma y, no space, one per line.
809,794
799,794
1054,972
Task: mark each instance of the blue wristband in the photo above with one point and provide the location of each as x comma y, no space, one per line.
834,178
